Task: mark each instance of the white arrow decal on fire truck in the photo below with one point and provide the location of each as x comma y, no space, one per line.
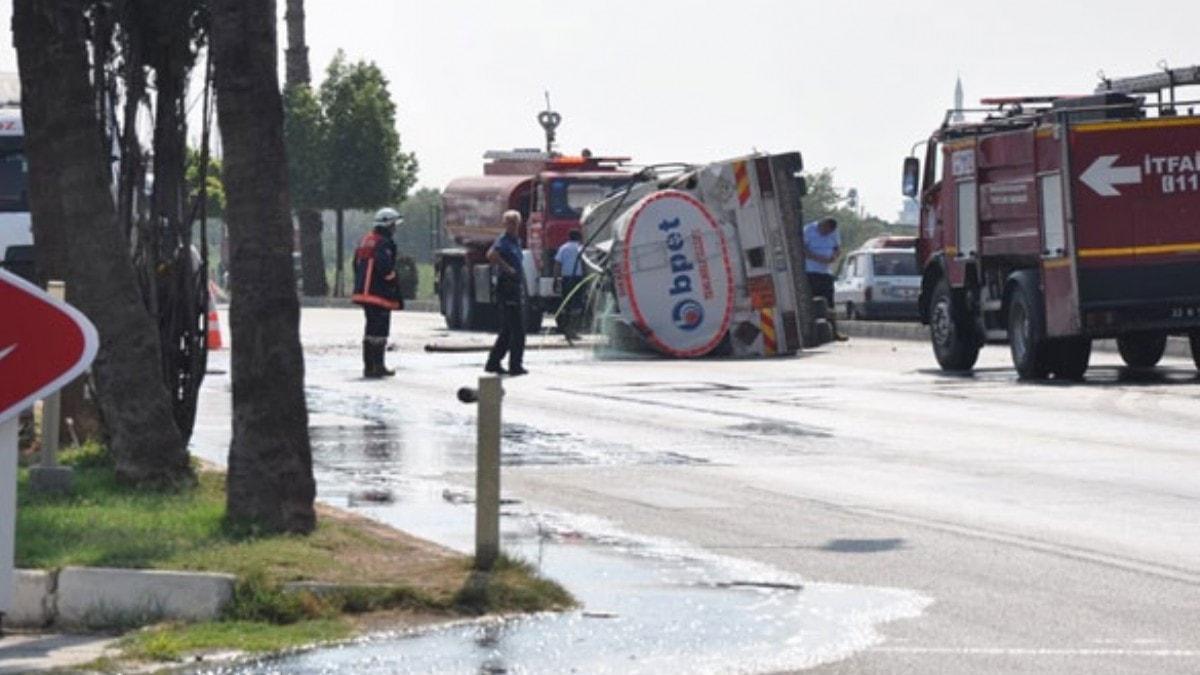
1101,176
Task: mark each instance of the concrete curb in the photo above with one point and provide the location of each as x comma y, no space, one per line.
902,330
95,598
33,600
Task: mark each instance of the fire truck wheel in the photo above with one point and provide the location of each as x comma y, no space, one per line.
449,294
954,343
1142,350
1068,358
1027,335
1194,339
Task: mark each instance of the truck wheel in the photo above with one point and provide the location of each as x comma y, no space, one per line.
1194,339
449,295
1027,335
954,342
468,315
1142,350
1069,358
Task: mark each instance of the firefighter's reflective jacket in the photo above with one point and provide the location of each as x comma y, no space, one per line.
375,281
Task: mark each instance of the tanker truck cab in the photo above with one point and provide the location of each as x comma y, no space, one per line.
1050,221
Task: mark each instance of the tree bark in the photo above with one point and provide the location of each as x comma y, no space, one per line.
270,482
69,195
339,276
312,254
297,52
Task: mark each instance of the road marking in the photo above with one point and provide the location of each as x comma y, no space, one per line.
1039,651
1102,176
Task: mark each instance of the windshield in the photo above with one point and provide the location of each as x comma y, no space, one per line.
568,197
14,181
898,264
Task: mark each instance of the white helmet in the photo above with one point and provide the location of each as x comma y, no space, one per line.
387,216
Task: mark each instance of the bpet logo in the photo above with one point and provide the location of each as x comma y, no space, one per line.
688,314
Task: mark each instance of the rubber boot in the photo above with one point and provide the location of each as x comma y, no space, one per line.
368,359
378,350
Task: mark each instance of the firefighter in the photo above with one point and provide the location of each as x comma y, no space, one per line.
506,254
377,289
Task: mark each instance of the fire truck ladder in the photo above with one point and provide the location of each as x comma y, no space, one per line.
1154,83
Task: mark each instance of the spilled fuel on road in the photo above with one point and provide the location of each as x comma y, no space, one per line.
647,605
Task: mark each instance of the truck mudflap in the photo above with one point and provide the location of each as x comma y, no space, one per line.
1135,193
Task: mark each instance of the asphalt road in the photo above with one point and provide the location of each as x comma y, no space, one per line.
1056,527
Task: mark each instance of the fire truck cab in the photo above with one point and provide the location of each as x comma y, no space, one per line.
550,191
1054,221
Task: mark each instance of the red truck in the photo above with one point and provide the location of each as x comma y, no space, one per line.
550,191
1054,221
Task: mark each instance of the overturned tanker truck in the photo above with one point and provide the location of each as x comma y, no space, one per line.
704,261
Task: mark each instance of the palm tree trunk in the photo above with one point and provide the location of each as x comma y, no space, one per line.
69,195
270,482
312,256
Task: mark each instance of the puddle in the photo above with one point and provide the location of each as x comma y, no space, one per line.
647,605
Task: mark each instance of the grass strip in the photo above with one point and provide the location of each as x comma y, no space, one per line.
359,566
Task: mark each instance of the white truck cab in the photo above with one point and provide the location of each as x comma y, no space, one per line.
16,233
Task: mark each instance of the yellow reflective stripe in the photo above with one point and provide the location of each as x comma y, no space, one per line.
1056,263
1158,249
1156,123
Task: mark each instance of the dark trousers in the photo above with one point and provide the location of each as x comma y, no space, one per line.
511,339
379,321
822,287
569,314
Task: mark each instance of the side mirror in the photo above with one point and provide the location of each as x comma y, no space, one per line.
801,186
912,176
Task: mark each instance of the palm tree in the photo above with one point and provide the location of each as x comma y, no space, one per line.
270,482
77,230
312,257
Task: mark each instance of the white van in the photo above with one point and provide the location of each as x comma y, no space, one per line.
880,281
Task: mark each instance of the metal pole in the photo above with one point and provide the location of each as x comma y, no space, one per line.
487,474
8,512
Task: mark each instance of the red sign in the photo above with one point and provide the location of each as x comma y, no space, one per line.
44,344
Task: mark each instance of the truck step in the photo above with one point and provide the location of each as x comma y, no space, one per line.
994,335
992,305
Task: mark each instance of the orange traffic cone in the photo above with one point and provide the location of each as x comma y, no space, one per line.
214,326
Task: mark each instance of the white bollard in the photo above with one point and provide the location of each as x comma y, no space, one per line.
487,474
52,404
48,476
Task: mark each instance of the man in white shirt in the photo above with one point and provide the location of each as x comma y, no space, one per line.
822,247
568,269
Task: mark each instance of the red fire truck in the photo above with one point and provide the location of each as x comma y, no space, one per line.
549,190
1053,221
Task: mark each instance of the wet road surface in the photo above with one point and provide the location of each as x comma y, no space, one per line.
1019,527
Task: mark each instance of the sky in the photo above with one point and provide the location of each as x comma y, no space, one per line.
851,85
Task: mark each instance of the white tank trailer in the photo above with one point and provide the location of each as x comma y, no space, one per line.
704,262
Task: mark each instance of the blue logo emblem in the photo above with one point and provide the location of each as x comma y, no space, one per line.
688,315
